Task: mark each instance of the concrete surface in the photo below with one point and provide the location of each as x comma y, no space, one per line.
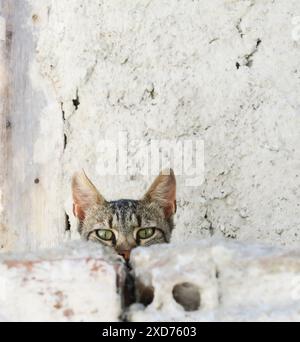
75,283
216,281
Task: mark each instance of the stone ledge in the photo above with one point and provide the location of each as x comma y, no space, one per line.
216,281
201,281
75,283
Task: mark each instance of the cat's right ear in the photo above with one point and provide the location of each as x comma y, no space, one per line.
85,195
163,192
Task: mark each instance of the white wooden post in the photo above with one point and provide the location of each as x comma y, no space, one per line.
31,139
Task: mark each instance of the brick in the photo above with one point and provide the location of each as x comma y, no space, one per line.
75,283
216,281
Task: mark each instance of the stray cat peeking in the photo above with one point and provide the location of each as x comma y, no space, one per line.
125,224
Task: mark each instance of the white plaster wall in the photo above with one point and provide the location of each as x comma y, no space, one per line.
223,71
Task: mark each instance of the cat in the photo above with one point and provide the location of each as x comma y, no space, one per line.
125,224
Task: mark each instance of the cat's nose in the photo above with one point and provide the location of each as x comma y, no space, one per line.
125,254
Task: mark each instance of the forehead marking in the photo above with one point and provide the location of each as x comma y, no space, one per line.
123,211
115,219
134,219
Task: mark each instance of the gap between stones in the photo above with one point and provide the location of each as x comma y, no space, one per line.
128,291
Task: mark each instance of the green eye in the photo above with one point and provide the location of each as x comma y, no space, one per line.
145,233
105,234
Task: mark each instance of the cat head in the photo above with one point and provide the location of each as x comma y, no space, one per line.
125,224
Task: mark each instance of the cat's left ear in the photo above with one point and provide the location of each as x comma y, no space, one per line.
163,192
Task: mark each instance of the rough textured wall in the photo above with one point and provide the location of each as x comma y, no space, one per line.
225,71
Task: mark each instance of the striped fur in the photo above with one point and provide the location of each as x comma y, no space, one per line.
125,218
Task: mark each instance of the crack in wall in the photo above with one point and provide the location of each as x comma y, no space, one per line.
149,93
211,227
213,40
76,101
238,26
67,223
65,139
90,71
248,59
